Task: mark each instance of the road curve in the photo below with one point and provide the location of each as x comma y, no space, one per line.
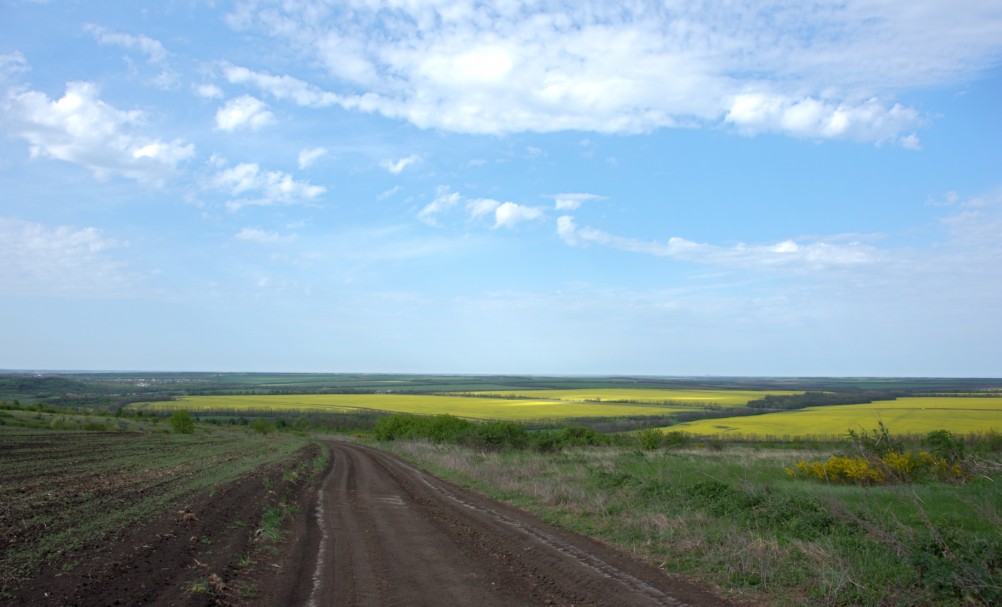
388,534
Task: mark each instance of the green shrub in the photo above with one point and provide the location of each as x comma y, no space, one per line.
490,436
438,428
650,438
943,444
579,436
181,422
549,441
675,440
496,436
262,426
877,442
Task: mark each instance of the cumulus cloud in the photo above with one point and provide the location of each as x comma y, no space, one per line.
244,111
504,214
36,259
870,120
310,155
208,91
250,186
397,166
808,255
510,214
81,128
821,69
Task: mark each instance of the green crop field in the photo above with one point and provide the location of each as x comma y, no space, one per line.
675,398
474,408
912,415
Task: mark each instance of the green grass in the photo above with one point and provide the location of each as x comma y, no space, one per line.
735,519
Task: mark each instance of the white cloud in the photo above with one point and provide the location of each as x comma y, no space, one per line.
285,88
822,69
36,259
387,193
444,200
571,202
397,166
253,187
567,230
12,63
481,206
870,120
910,142
209,91
310,155
505,214
789,254
976,229
153,49
244,111
259,236
509,214
81,128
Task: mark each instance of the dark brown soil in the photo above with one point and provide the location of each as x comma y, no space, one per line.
371,531
182,559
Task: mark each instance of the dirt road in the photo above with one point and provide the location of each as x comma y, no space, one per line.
385,533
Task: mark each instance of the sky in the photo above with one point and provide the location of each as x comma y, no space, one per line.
809,188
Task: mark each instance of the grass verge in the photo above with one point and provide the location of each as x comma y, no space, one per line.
735,519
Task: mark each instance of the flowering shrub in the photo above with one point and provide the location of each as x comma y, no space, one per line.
840,469
900,466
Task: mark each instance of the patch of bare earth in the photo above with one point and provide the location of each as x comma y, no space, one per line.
189,556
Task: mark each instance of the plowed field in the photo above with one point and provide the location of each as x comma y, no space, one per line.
100,518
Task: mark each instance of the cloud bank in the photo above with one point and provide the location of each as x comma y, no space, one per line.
825,69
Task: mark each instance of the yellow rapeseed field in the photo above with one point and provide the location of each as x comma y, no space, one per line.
697,398
914,415
475,408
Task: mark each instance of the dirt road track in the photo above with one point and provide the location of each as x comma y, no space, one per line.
388,534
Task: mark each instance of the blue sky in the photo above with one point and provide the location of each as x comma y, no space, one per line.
678,188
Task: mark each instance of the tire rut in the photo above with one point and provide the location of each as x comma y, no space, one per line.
393,535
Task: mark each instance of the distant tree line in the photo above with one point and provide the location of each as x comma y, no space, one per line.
786,402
